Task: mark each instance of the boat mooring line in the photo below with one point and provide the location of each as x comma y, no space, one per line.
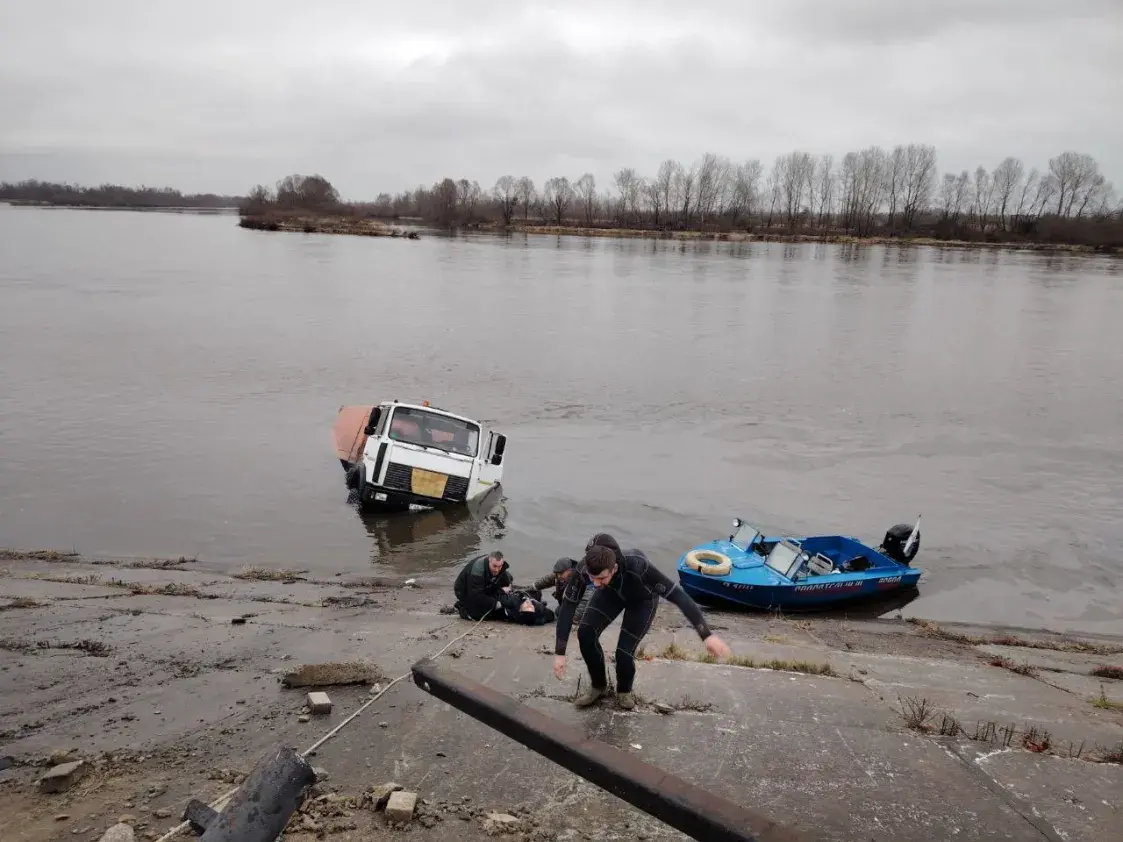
220,803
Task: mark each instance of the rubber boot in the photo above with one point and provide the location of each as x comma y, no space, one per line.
590,697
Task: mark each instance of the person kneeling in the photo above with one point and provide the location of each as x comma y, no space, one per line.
484,589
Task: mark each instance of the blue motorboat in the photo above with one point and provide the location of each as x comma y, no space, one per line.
819,571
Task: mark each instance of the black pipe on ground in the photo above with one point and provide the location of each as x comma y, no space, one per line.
689,809
266,800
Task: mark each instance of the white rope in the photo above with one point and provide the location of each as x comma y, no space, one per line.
220,803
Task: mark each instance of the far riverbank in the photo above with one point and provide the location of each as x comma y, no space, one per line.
364,226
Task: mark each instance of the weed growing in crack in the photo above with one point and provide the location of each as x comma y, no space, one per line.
1104,703
917,713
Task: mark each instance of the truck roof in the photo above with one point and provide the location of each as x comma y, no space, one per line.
434,409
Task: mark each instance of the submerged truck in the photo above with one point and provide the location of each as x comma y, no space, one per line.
396,454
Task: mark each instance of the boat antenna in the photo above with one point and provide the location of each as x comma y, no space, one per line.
912,535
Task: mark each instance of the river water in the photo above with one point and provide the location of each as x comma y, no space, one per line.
168,384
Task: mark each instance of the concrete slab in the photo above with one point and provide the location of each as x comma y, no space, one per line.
48,618
1048,659
48,592
982,693
1086,687
809,751
1079,800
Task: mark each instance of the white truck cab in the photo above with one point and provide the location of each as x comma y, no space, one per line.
396,454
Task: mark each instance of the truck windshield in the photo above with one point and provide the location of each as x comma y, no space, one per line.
428,429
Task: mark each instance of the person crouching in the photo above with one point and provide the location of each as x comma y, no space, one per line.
484,588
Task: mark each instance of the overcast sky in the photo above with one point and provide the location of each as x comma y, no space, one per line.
383,96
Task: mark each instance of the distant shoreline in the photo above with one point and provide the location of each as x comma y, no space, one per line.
327,224
216,209
312,223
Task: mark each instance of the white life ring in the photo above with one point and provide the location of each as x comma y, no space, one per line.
709,562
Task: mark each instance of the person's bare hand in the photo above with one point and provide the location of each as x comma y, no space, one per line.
717,647
559,667
507,589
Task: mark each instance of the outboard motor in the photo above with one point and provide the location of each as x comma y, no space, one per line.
893,544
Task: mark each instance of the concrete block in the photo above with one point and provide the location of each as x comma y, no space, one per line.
380,795
62,777
500,823
399,808
118,833
319,703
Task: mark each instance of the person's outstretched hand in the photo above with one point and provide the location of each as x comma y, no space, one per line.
717,647
559,667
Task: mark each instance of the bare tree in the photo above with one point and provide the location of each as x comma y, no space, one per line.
1006,181
1073,173
947,195
920,179
743,191
654,195
665,184
306,192
683,189
526,194
961,195
627,183
506,194
869,183
823,194
558,194
468,196
713,176
586,189
1026,196
446,194
794,176
984,193
1043,195
895,180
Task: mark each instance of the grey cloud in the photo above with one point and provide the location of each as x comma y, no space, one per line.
383,97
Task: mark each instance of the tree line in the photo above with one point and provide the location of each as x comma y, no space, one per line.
873,191
109,195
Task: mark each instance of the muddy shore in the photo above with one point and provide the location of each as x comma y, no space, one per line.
168,681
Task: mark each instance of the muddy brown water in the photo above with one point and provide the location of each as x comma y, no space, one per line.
168,385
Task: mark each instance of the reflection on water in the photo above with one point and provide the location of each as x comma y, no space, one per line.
426,540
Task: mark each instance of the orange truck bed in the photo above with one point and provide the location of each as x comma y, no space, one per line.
348,432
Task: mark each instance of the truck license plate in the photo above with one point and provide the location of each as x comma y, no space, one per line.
428,483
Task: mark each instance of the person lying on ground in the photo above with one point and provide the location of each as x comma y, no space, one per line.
626,581
484,588
564,570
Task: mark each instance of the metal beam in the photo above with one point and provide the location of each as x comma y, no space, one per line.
699,814
265,802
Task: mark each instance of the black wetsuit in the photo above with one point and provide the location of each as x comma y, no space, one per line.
634,589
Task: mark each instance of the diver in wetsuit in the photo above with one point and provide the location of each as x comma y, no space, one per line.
626,581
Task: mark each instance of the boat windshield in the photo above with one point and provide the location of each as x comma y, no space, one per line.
428,429
744,537
785,559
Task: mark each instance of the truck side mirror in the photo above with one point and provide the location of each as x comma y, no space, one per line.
372,424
